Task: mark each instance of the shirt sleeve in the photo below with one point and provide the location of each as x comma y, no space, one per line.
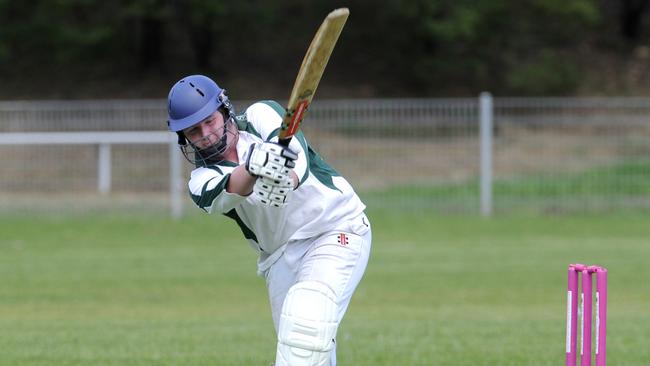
301,163
207,187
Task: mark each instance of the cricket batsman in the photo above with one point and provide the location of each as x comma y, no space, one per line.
303,219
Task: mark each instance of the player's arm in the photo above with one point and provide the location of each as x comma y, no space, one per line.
241,181
208,188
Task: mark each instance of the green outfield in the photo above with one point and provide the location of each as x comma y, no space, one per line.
460,290
621,186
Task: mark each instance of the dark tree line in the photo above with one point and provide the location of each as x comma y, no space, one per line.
389,47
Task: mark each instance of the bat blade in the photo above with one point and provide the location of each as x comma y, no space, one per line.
311,70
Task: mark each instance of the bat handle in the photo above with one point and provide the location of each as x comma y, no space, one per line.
284,142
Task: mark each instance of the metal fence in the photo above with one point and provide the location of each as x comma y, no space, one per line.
537,154
572,154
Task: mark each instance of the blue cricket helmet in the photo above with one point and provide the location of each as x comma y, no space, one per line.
193,99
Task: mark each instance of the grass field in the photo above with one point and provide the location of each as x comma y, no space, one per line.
602,189
461,290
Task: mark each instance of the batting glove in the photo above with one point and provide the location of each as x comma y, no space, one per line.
270,160
274,193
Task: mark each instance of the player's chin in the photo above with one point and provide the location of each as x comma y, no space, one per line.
211,154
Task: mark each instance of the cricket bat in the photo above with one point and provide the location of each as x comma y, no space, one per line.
311,71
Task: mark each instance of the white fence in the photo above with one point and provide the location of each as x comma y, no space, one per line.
449,155
104,141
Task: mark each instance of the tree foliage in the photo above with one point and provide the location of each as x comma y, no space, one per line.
392,47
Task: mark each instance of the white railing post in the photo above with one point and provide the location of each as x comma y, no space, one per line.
104,140
104,168
486,131
175,180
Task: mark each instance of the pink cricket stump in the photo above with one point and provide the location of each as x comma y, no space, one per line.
571,317
586,307
586,314
601,316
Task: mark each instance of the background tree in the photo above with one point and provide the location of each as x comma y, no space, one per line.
92,48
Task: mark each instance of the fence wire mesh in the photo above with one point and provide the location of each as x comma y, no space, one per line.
549,154
572,154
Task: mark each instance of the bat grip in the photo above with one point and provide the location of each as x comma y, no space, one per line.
284,142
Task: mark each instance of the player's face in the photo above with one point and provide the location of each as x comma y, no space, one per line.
207,132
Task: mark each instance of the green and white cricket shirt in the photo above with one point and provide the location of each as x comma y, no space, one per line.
321,203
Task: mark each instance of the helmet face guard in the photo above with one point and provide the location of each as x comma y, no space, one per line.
211,153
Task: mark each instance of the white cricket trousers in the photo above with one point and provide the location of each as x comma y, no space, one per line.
337,258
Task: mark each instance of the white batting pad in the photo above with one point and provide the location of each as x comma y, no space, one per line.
307,325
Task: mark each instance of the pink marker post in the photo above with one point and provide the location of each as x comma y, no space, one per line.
601,320
571,316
